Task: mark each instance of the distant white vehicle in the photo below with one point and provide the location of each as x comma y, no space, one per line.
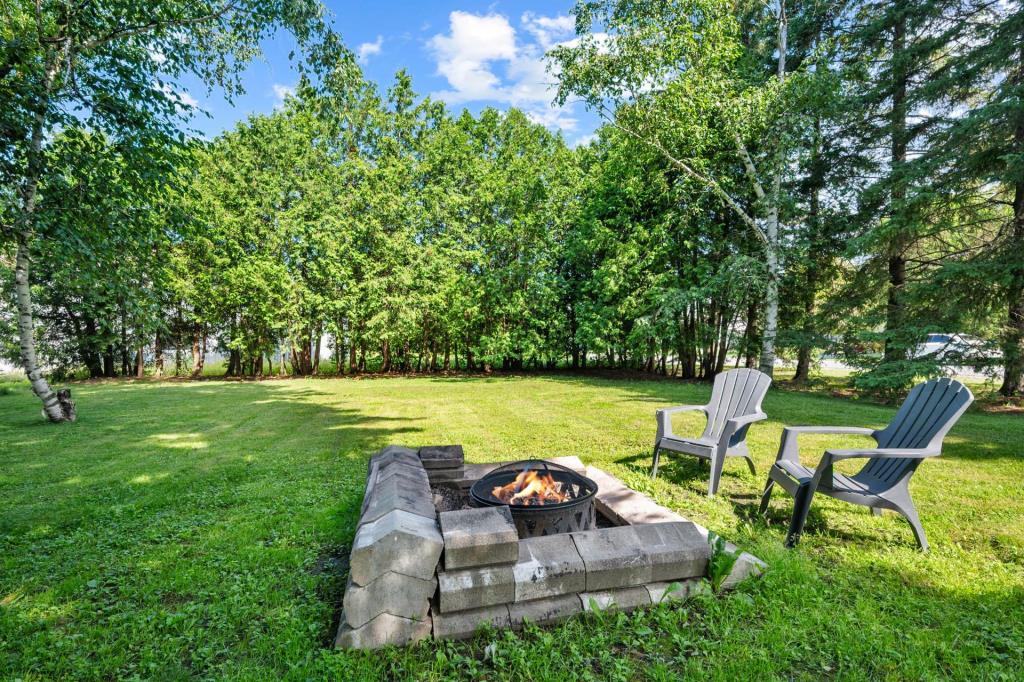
955,347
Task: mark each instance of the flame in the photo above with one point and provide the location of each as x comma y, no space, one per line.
531,488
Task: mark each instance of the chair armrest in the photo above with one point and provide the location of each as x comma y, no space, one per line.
824,469
736,423
682,408
789,449
887,453
664,417
746,419
859,430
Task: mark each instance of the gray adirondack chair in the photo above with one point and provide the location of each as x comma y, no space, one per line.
735,404
926,416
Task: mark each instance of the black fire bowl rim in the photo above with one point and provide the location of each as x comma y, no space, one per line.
480,490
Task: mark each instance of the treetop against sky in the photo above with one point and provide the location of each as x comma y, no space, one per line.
468,53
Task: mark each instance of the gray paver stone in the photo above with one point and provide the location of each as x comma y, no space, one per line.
623,599
442,456
545,611
412,479
548,565
464,624
675,590
613,557
396,453
445,475
394,493
478,537
677,550
398,541
394,593
625,505
383,630
747,565
473,588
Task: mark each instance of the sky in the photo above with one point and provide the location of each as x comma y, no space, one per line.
469,53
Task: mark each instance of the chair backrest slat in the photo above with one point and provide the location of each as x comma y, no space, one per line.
922,421
736,393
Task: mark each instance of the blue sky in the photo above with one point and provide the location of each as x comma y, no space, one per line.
470,54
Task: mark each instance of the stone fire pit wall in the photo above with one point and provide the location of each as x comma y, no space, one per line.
400,590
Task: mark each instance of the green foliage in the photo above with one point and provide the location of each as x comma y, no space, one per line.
721,561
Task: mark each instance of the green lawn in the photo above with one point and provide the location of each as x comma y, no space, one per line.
200,530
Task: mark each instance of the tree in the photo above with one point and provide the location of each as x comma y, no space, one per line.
113,70
896,49
978,160
660,71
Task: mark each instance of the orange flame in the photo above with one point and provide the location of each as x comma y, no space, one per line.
530,488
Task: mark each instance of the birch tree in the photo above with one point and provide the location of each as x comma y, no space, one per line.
114,69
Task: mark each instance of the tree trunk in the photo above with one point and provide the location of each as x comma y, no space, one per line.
93,360
108,362
197,355
749,337
1013,339
315,368
385,353
158,355
810,286
895,348
54,408
771,313
126,365
140,363
51,405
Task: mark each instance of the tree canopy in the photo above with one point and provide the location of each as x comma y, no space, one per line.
791,179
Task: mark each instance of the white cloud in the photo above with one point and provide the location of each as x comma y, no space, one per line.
282,92
464,56
482,59
367,50
548,31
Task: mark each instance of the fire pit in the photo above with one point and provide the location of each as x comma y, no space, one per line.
544,498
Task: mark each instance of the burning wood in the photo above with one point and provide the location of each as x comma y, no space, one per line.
531,488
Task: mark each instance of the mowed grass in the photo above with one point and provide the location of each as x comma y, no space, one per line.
201,530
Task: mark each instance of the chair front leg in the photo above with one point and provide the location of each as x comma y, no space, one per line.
654,460
802,500
717,462
801,506
766,496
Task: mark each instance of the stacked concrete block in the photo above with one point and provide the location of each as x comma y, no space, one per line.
480,548
613,557
675,550
546,611
473,588
443,463
675,591
394,557
621,599
548,566
399,592
465,624
478,537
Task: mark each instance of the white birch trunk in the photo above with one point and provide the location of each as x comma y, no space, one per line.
52,408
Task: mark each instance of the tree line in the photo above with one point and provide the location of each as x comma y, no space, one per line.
770,180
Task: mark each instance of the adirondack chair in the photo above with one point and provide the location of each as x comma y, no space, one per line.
916,432
735,404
